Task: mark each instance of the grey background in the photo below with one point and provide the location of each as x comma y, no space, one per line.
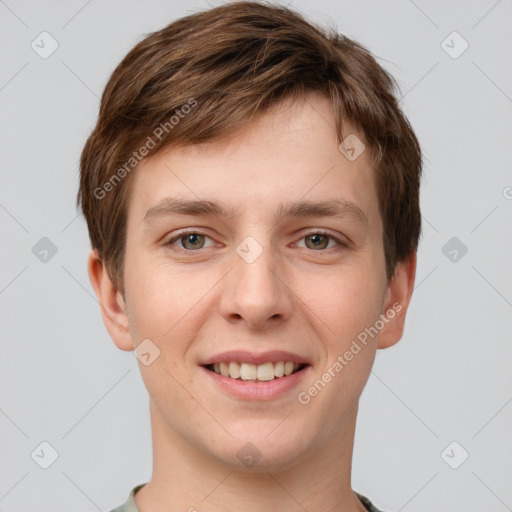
449,379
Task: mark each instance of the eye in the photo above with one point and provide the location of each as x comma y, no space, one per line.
319,240
189,240
194,240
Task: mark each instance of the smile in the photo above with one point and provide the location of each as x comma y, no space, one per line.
255,372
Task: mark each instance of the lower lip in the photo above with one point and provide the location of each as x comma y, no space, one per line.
266,390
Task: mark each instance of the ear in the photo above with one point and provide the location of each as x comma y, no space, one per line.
113,306
396,302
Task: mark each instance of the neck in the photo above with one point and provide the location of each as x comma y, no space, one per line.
189,479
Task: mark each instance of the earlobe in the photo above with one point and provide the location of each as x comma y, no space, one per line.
396,302
112,303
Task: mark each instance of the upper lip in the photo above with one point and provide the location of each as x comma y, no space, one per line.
242,356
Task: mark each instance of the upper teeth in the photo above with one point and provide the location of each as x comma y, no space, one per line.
249,371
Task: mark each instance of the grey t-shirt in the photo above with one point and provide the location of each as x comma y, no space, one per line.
130,505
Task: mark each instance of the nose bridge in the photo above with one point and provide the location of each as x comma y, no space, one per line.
256,292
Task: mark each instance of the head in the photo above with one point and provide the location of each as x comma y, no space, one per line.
246,107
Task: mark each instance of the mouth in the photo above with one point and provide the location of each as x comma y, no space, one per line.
255,376
250,372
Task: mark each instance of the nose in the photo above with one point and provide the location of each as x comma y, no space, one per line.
256,291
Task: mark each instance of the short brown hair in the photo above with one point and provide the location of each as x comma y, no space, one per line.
231,63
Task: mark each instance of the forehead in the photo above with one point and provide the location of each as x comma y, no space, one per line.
288,153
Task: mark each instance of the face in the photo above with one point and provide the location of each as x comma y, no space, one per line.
284,263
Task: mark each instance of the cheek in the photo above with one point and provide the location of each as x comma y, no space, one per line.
346,301
160,309
167,305
153,302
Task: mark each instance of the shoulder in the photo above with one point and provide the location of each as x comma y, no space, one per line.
367,503
129,505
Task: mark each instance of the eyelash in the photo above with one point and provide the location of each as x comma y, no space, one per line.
181,234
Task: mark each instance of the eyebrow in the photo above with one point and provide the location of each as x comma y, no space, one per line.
341,208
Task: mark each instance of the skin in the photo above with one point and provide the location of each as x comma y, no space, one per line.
294,297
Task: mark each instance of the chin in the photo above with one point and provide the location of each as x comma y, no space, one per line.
264,450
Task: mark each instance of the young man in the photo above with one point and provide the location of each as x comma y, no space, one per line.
251,190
